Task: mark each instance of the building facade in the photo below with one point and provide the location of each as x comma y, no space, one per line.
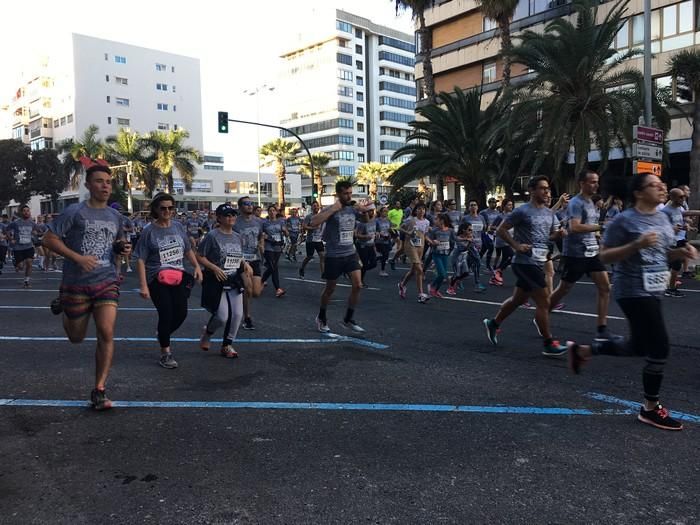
348,90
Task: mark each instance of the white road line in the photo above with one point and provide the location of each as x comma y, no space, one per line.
324,282
680,289
568,312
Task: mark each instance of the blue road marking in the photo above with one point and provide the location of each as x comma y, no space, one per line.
635,405
367,407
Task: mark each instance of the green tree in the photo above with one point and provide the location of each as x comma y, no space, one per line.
88,145
501,11
321,169
168,151
127,147
14,162
279,153
374,174
452,138
45,174
582,92
685,67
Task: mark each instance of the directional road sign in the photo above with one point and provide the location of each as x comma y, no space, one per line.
648,134
641,166
647,151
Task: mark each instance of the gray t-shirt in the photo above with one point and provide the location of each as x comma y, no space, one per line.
384,230
581,244
89,231
455,218
273,234
225,250
612,212
490,216
445,239
294,225
676,217
366,228
250,231
313,235
533,226
22,231
478,226
644,273
339,232
161,248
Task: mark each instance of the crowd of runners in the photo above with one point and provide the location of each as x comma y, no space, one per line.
233,252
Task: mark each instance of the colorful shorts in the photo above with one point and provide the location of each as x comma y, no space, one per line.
78,301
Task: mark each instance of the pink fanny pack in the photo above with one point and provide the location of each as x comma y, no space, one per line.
170,277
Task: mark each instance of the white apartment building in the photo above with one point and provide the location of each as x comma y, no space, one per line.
348,89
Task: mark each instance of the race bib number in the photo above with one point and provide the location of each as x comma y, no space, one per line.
170,256
250,256
591,249
477,227
539,253
416,242
455,228
232,262
277,237
316,235
444,246
346,237
25,239
655,278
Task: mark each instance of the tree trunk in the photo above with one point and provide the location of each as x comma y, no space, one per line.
506,45
373,190
281,177
170,182
694,174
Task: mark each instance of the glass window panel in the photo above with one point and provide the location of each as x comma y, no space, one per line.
637,30
656,24
623,36
685,17
677,42
669,20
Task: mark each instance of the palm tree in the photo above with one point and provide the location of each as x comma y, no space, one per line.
582,89
321,169
374,174
685,67
452,138
88,145
168,151
501,11
279,153
124,148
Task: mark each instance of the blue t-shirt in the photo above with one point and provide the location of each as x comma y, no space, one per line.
160,247
581,244
89,231
533,226
340,231
315,235
644,273
366,228
21,232
445,239
384,229
677,219
491,217
478,226
294,225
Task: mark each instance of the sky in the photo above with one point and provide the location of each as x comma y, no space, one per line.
238,44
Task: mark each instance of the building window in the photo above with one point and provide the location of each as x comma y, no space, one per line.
358,49
108,98
161,67
343,26
346,171
121,81
360,143
122,101
63,121
360,126
344,107
395,57
358,33
161,87
175,128
109,120
398,44
106,56
360,157
397,88
163,126
489,73
55,123
161,106
395,117
360,96
123,121
345,91
489,24
397,102
342,58
390,144
408,76
360,81
174,107
173,89
172,69
360,112
342,155
358,64
69,118
344,74
119,59
106,78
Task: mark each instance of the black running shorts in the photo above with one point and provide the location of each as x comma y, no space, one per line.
529,277
573,268
337,266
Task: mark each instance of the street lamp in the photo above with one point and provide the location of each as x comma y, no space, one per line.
254,92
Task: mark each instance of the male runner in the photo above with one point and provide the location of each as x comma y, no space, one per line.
20,235
341,257
492,217
677,215
250,227
293,227
90,237
314,240
534,226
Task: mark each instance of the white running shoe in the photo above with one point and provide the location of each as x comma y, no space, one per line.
322,326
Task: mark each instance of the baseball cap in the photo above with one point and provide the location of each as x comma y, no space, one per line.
226,209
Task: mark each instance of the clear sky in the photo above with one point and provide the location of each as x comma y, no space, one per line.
238,43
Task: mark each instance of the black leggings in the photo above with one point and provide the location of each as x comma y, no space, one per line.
648,338
272,268
506,254
368,256
383,249
171,303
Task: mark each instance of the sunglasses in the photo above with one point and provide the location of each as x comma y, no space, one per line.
246,203
166,208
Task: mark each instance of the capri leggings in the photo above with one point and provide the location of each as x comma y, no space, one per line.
464,263
506,257
272,260
383,249
171,303
229,315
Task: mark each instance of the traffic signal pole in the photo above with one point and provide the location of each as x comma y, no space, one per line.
311,160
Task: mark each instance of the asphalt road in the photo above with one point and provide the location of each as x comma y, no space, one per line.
420,421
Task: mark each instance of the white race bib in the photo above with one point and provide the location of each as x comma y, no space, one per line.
539,254
250,256
346,237
591,248
25,239
170,256
655,278
416,242
477,227
444,246
277,237
232,262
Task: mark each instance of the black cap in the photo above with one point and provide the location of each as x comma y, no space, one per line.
226,209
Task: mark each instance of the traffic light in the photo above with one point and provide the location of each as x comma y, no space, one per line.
223,122
314,191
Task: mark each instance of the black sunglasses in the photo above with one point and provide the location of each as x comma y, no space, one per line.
166,208
247,203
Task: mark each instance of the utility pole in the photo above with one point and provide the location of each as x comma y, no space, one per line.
647,62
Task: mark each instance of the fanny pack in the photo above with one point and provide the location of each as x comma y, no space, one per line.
170,277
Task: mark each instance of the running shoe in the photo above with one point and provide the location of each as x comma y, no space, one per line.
498,275
352,325
204,339
248,324
495,282
554,349
423,298
479,288
451,291
279,293
526,304
603,335
659,417
322,326
99,400
576,361
228,352
491,331
434,292
167,361
537,327
559,306
383,274
26,284
402,291
673,292
56,307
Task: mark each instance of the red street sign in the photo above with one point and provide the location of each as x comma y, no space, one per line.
648,134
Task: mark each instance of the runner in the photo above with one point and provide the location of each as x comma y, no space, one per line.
580,250
274,228
383,242
365,233
478,224
415,229
194,228
640,241
21,232
37,236
395,215
492,217
89,235
504,253
293,227
677,214
454,214
341,258
534,226
314,240
465,259
442,238
160,253
249,227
